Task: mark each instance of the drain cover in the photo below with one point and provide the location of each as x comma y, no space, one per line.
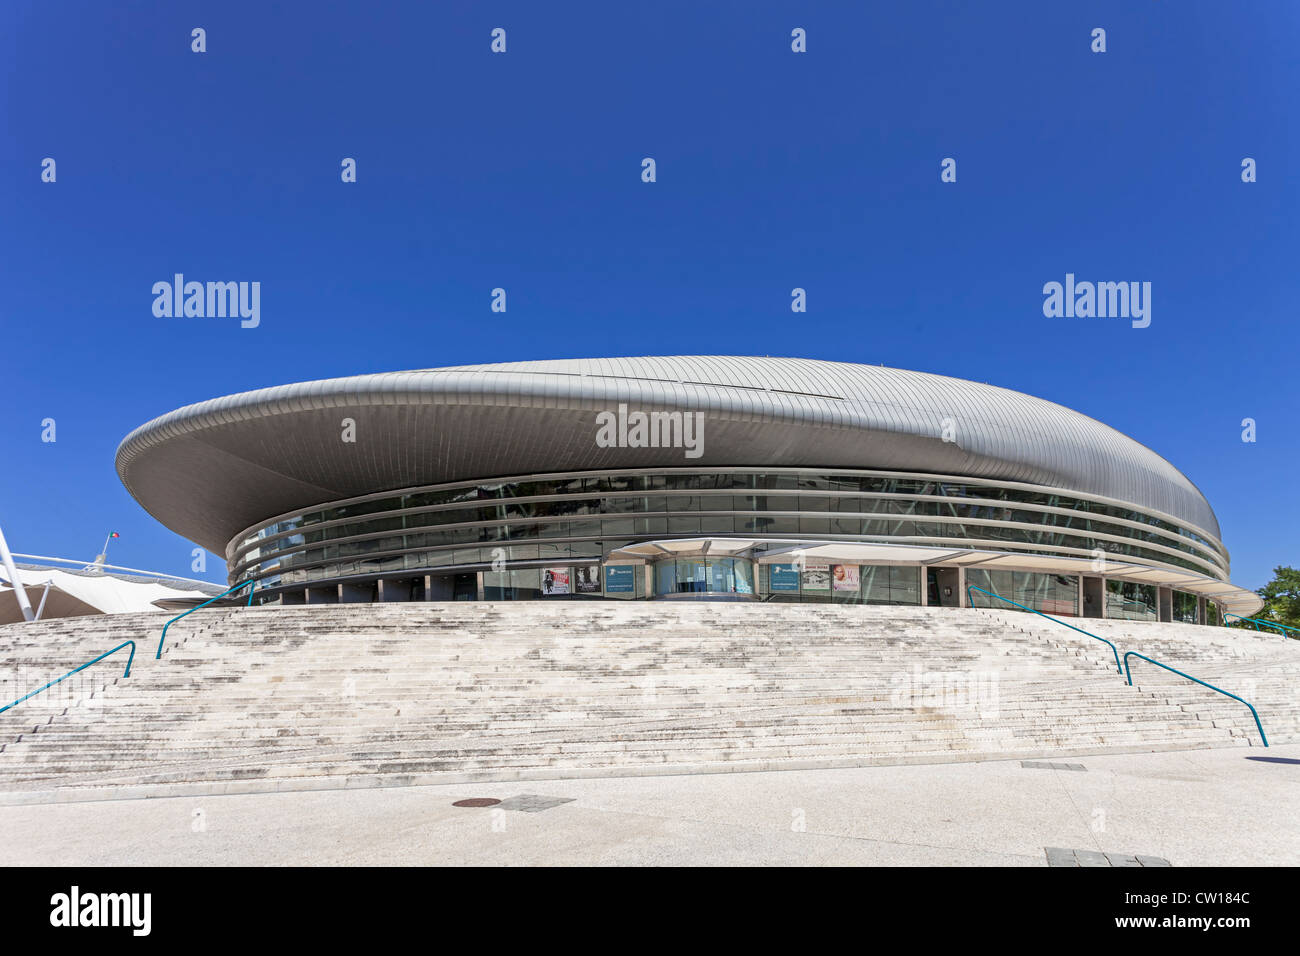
477,802
533,803
1059,856
1043,765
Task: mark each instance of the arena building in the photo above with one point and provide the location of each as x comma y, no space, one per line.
689,477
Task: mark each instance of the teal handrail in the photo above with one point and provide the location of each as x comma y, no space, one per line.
1114,649
1258,621
1195,680
251,584
81,668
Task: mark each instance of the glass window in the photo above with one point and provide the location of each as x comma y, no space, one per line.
522,584
326,539
704,575
1055,594
666,577
1131,601
1186,608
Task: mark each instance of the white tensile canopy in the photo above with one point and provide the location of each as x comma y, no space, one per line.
74,594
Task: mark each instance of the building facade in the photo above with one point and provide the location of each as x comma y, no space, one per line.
697,477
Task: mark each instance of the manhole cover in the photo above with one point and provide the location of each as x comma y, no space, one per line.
477,802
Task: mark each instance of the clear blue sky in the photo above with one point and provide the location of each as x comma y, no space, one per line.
522,170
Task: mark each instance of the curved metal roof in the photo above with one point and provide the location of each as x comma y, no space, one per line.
209,470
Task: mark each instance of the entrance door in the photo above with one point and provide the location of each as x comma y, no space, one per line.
1094,597
942,586
465,587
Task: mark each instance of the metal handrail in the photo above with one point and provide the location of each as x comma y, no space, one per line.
127,673
1258,621
1194,680
251,584
1114,649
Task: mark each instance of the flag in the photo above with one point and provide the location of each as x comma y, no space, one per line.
114,535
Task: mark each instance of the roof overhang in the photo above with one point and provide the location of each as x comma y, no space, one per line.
211,469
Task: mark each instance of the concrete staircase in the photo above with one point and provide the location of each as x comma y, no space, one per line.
393,694
1264,669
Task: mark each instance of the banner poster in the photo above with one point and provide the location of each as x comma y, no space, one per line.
845,577
816,577
783,577
587,580
555,580
619,579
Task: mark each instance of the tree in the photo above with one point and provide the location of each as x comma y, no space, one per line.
1281,598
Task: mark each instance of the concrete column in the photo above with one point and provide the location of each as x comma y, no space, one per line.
925,585
963,599
478,579
428,587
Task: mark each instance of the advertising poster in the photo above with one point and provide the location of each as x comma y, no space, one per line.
816,577
845,577
619,579
587,580
783,577
555,580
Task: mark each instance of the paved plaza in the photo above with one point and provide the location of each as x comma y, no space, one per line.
1226,806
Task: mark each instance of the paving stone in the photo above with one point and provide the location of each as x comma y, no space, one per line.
1153,861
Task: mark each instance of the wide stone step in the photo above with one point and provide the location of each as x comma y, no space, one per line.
405,692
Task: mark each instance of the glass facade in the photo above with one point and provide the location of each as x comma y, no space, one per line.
564,537
580,582
840,584
1185,608
1055,594
704,575
1131,601
576,517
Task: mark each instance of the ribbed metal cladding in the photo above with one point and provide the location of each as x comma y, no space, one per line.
209,470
